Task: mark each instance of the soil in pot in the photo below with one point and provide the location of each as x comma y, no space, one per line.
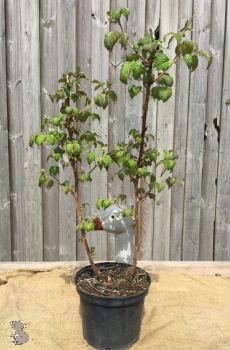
115,281
112,308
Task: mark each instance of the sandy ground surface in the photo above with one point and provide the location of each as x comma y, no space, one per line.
183,310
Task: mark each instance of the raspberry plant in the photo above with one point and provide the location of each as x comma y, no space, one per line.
147,64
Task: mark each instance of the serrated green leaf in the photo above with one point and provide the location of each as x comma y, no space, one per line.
125,12
110,39
124,40
127,211
159,186
112,95
188,59
32,140
91,157
99,203
132,163
101,100
170,164
106,203
137,69
89,226
95,116
75,111
52,96
141,171
68,110
42,179
95,81
49,183
207,55
194,63
51,139
162,93
40,139
170,181
65,189
105,160
125,71
54,170
84,177
162,62
134,90
166,80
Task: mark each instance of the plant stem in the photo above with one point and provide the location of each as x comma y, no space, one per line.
76,194
137,178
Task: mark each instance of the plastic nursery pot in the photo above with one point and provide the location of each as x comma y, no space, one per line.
111,322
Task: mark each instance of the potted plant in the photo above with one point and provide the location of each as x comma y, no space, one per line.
112,295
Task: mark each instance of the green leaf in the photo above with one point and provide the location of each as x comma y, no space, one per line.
134,90
127,211
188,58
132,163
68,110
95,116
124,40
194,63
84,177
125,71
141,172
137,70
112,95
162,62
110,39
49,183
75,111
32,140
54,170
105,160
101,100
166,80
125,12
206,55
159,186
170,181
42,179
65,189
106,203
52,96
99,203
40,139
170,164
89,226
91,157
51,139
162,93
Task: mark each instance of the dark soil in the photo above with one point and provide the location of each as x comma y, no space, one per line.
115,281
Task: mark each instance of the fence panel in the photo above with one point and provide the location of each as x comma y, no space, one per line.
47,38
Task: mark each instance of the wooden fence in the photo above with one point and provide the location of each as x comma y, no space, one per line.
39,40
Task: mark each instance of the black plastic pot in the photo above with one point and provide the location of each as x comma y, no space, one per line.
111,322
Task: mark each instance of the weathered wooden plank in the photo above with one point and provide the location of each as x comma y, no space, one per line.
49,77
66,18
165,127
116,130
152,22
222,227
15,124
180,141
211,145
5,227
84,60
195,144
30,57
